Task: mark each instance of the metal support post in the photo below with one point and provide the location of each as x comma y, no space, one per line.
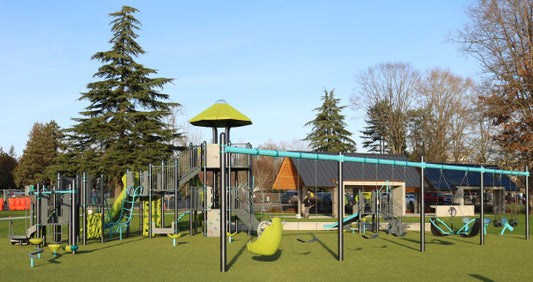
340,209
527,203
223,209
84,206
482,210
422,209
150,171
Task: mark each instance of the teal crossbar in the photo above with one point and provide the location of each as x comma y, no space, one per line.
342,158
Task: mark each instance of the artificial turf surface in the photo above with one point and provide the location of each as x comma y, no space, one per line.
196,258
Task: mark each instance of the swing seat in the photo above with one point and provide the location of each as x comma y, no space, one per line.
436,229
308,241
506,226
513,222
268,243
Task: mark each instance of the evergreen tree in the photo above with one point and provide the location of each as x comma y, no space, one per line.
38,163
374,132
329,132
123,126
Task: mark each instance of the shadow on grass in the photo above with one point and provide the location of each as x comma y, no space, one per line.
333,254
432,241
236,256
463,240
112,244
54,259
481,278
273,257
400,244
80,252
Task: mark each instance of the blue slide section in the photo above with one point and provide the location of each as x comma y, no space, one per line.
346,220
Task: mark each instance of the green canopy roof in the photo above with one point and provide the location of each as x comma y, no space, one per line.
220,115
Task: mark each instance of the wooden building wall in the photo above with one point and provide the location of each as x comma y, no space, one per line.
288,178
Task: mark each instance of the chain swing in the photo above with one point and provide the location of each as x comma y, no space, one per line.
375,197
315,238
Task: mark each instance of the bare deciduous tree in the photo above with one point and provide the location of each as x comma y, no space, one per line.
500,37
445,98
392,84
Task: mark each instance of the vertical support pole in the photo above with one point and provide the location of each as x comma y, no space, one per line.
422,208
150,201
57,228
215,135
176,187
228,184
251,186
223,203
72,236
84,206
101,195
340,208
482,209
142,175
38,210
191,213
164,185
204,167
527,203
191,191
236,198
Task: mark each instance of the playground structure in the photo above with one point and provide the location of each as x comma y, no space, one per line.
341,159
211,175
52,208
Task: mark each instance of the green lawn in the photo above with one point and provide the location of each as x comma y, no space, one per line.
503,258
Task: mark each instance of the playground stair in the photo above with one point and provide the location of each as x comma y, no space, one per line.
248,219
188,175
189,165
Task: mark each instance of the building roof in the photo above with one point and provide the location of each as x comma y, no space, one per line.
327,171
435,179
449,180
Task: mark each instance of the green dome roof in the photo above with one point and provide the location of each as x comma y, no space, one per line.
221,114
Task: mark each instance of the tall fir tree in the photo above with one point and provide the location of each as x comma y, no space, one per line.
374,132
123,127
329,132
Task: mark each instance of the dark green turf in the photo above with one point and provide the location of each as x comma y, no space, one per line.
388,258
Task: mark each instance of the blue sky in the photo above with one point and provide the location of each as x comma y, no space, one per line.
271,60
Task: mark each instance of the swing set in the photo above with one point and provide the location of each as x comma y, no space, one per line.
273,237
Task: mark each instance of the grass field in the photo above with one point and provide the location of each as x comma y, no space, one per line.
196,258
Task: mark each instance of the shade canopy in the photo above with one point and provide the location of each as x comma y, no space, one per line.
221,114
